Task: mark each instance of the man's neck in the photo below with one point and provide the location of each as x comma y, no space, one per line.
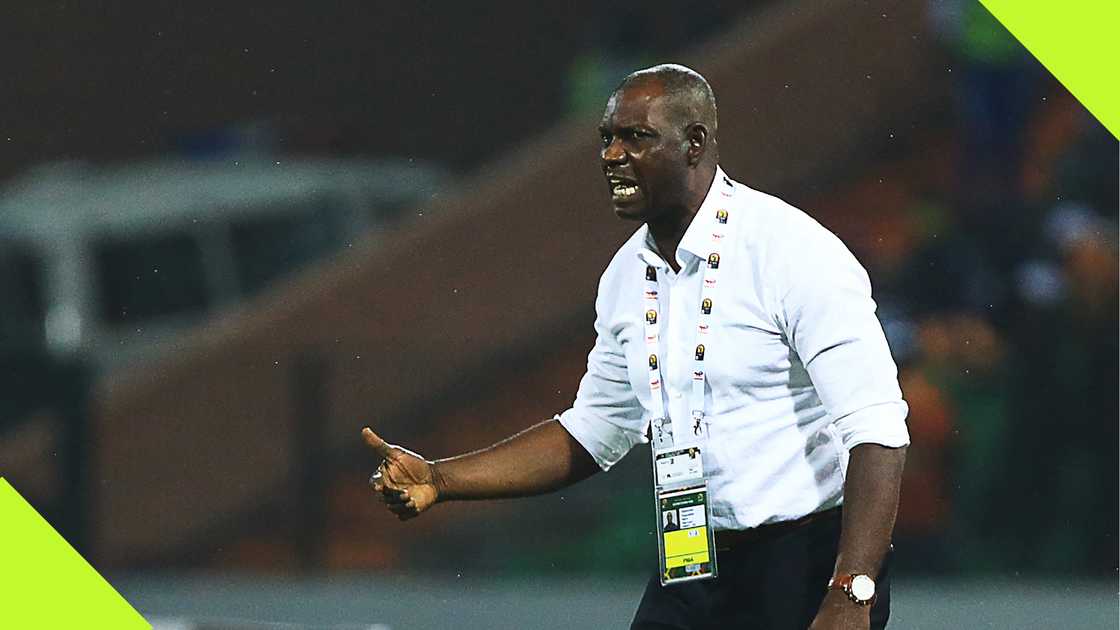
668,228
667,232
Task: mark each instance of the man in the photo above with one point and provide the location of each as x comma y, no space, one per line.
670,522
801,398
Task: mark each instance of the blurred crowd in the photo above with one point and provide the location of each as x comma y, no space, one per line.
994,258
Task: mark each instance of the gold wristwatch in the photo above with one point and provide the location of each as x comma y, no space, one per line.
859,587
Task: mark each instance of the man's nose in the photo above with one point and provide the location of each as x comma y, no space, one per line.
613,153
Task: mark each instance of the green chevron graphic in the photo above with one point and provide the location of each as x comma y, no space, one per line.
1077,42
44,583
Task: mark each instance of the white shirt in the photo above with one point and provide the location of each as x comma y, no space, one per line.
798,368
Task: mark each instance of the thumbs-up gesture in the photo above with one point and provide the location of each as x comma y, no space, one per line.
404,480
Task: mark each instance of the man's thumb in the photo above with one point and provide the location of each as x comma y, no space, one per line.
379,446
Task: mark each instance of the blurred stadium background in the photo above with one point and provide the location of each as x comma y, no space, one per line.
230,237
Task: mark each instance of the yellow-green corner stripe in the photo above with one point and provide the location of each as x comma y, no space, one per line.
44,583
1077,41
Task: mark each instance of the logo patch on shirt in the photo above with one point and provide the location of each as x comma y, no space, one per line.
713,260
699,352
651,316
653,361
706,306
721,216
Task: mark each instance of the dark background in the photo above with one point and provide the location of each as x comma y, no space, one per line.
449,82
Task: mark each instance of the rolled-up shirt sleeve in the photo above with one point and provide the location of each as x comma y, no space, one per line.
606,417
829,317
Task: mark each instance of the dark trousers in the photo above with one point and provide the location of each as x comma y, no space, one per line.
772,583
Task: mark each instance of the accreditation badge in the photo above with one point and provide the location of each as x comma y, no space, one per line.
678,465
685,539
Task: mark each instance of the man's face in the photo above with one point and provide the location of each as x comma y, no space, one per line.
644,153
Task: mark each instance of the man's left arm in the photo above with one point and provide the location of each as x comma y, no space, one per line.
829,316
870,504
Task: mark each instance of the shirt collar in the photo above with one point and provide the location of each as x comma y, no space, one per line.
696,239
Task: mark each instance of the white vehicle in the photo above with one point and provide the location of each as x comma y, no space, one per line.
107,262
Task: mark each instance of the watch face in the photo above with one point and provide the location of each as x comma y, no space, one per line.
863,587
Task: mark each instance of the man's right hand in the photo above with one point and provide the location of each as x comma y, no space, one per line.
405,481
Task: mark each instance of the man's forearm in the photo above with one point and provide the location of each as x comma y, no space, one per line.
540,459
870,505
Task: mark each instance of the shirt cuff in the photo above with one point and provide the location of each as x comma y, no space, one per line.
606,447
883,424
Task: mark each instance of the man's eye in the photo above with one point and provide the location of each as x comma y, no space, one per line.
605,139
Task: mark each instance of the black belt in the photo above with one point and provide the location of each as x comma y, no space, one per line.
730,538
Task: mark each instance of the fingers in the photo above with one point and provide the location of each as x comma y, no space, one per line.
395,498
389,495
379,446
400,504
402,507
380,482
392,497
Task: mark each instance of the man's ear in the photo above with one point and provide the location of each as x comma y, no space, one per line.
697,137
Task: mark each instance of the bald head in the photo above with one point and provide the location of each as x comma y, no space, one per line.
690,98
659,148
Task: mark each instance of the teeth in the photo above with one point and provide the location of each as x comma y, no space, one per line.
621,190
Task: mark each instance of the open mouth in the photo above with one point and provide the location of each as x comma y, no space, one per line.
623,189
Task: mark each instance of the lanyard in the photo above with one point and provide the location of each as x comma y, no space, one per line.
669,429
